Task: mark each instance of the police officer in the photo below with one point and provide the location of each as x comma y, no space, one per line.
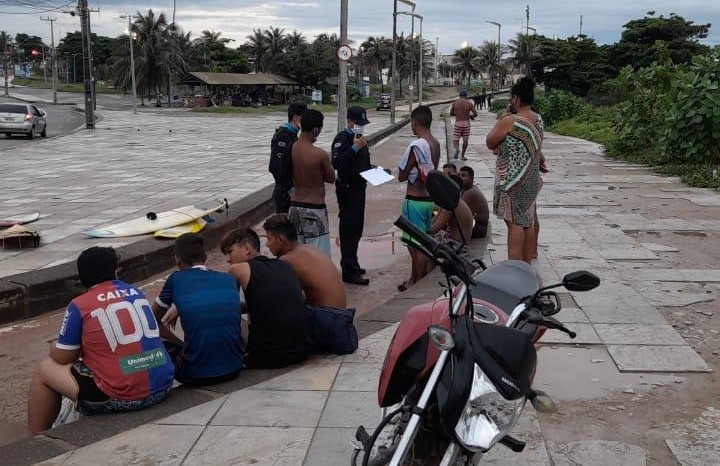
280,156
350,156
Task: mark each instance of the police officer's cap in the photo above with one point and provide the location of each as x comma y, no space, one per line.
357,115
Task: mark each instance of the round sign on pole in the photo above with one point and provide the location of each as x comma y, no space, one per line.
344,52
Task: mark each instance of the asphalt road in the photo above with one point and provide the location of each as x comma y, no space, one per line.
61,120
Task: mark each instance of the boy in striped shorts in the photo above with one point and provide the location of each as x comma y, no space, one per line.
462,109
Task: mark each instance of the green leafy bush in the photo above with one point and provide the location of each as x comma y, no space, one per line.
558,105
498,105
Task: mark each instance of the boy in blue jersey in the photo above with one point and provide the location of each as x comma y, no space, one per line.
208,305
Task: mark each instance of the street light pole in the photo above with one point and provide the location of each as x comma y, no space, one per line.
394,56
132,62
53,61
67,69
499,26
342,78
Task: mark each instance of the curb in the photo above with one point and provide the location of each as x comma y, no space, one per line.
33,293
30,294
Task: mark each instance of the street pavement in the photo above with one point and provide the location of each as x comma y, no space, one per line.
308,415
61,120
128,166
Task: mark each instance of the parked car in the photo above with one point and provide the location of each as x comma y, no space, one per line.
24,119
383,102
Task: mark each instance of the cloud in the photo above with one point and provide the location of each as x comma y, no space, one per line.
452,23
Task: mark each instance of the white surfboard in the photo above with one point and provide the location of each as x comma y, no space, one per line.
19,220
153,222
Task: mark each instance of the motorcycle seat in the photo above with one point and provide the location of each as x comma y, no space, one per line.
505,284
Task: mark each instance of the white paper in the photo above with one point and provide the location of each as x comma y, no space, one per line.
377,176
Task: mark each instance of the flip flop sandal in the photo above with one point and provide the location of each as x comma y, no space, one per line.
402,287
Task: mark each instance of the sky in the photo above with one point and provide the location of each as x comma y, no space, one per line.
450,22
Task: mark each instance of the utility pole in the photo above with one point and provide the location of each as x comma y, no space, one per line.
437,60
412,59
67,68
581,18
87,64
527,20
394,64
5,37
342,78
53,61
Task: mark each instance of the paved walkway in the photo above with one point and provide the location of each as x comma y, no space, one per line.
308,416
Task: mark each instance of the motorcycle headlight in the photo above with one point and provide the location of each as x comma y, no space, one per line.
487,416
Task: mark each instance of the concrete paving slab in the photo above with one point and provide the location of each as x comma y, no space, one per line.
534,454
370,351
677,275
309,377
351,409
596,453
646,315
246,446
572,315
570,251
330,447
586,335
673,294
639,334
624,252
557,231
198,415
655,247
695,453
634,358
357,377
160,445
270,408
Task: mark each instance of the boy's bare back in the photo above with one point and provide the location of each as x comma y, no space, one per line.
320,279
311,170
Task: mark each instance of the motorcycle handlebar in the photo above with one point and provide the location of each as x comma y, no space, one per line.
418,235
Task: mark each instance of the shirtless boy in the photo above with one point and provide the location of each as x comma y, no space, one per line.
475,199
319,278
421,156
462,109
458,227
311,170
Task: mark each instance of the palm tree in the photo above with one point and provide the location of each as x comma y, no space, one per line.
275,44
467,63
490,57
379,51
525,48
295,39
256,47
157,56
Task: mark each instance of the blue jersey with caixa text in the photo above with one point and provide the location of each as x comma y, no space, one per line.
208,304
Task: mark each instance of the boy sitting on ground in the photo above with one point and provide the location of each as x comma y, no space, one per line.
108,356
208,305
458,227
279,330
320,279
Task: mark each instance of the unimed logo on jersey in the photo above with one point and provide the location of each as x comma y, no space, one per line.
142,361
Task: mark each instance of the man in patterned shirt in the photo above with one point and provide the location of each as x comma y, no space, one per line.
108,356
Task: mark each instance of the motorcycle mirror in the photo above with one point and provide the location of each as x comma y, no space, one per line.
444,191
582,280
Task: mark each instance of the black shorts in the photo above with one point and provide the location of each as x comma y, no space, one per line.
176,356
87,390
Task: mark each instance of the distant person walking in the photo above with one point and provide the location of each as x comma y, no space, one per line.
517,140
280,165
490,97
462,109
311,170
350,157
483,98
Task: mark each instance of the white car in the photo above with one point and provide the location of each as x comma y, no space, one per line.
22,118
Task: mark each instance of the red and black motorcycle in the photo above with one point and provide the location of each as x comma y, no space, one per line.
459,370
